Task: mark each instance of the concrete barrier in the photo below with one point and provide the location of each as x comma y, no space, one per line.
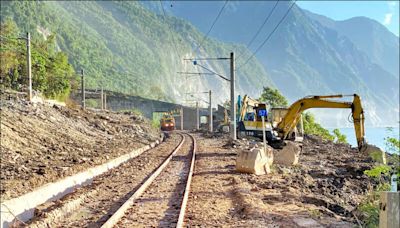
389,214
22,208
289,155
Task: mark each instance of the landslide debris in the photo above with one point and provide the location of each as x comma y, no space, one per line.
328,183
42,143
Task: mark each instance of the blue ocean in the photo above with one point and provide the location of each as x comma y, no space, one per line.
374,135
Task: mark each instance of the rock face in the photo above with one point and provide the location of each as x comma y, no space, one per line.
42,143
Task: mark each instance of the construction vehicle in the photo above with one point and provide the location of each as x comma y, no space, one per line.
249,120
284,126
167,122
250,123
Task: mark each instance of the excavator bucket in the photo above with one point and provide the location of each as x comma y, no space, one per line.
256,161
288,155
374,152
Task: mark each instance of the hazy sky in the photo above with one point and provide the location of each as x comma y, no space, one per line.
385,12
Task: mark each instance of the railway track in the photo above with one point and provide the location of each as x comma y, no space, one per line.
164,202
151,190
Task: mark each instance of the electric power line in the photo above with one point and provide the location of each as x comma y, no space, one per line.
221,76
269,36
259,29
212,26
176,49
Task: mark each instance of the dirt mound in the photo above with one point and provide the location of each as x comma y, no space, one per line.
42,143
327,184
329,180
306,195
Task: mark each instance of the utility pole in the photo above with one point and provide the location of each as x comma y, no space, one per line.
102,98
211,115
264,134
29,65
83,89
232,126
233,104
197,116
181,118
105,101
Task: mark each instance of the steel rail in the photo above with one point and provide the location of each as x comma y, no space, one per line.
187,188
114,219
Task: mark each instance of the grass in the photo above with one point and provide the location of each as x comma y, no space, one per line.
155,124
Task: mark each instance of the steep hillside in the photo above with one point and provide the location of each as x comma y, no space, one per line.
311,54
130,49
369,36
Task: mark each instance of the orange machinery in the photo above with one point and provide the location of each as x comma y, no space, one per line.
167,123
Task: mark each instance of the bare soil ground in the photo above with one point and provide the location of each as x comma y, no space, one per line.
323,190
42,143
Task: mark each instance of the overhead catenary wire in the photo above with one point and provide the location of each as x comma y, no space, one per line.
259,29
221,76
169,29
212,26
268,37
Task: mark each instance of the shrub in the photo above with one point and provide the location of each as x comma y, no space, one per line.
378,171
155,124
51,72
273,97
369,207
340,138
313,128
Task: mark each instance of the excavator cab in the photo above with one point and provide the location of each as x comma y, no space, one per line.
296,134
249,121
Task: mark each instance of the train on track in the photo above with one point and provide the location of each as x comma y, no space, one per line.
167,122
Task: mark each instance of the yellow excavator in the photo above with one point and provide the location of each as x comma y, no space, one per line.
284,126
293,115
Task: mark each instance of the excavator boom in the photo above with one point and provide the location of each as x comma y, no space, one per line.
293,115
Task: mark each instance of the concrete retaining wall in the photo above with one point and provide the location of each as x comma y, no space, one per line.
23,207
119,102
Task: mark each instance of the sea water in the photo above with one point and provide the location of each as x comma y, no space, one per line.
374,135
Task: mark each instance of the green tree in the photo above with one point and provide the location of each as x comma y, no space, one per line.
313,128
11,54
340,138
392,144
51,72
273,97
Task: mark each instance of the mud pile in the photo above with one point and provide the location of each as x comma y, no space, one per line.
329,180
42,143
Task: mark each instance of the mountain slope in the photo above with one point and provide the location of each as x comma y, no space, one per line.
307,56
381,46
130,49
